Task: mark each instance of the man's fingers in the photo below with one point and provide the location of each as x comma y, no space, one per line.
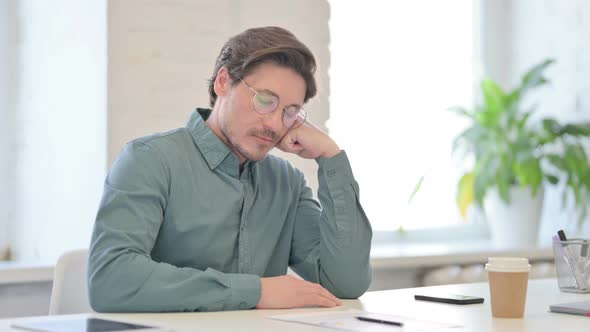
324,292
321,291
317,300
290,148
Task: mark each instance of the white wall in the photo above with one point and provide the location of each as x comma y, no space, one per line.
550,29
60,126
162,53
523,33
25,299
494,42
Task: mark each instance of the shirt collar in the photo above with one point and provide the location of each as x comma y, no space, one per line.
213,149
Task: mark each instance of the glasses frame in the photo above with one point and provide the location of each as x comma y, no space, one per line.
256,93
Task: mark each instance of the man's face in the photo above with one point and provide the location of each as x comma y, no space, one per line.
249,134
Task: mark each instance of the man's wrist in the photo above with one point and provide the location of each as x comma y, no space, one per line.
246,290
331,151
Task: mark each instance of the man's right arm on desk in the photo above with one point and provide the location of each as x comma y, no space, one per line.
122,277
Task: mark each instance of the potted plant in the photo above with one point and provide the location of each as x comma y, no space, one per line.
514,157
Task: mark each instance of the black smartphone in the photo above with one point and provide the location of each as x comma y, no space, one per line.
450,298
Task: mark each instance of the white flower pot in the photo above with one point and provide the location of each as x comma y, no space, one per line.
514,225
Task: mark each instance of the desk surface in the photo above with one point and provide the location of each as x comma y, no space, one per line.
475,317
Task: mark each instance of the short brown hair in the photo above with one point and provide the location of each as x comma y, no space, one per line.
242,53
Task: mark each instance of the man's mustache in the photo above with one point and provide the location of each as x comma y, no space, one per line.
266,133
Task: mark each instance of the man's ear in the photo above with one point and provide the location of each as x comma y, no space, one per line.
222,83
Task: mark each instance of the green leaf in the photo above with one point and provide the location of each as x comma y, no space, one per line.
558,161
461,111
493,97
536,175
530,174
583,165
484,176
552,179
550,131
416,189
512,99
479,188
534,77
531,79
487,119
574,159
552,126
465,194
576,129
470,136
522,122
577,191
583,208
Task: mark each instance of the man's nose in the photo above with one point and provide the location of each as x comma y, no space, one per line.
274,121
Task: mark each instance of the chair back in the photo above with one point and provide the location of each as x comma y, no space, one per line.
69,294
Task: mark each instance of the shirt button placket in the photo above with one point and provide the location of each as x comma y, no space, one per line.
244,252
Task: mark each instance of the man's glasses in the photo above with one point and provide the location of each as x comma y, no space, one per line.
265,103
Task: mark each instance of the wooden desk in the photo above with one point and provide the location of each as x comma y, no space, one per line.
475,317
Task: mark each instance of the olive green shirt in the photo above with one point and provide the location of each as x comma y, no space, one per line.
180,229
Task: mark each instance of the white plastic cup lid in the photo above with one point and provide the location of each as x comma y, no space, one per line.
508,264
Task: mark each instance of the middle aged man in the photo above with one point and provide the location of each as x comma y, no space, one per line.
201,218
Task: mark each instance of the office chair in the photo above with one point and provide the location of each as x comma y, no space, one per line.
69,294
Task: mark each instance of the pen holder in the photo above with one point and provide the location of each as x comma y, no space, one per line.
572,261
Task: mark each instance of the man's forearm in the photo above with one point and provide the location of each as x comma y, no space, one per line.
132,282
345,231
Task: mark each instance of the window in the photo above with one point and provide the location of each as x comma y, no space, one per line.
396,66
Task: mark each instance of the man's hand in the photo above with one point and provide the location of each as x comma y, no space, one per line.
286,292
309,142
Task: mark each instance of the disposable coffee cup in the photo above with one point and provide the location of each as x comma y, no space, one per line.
508,279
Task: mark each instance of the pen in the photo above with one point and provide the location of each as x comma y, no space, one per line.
583,248
381,321
561,235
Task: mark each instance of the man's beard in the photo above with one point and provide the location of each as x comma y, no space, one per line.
237,147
